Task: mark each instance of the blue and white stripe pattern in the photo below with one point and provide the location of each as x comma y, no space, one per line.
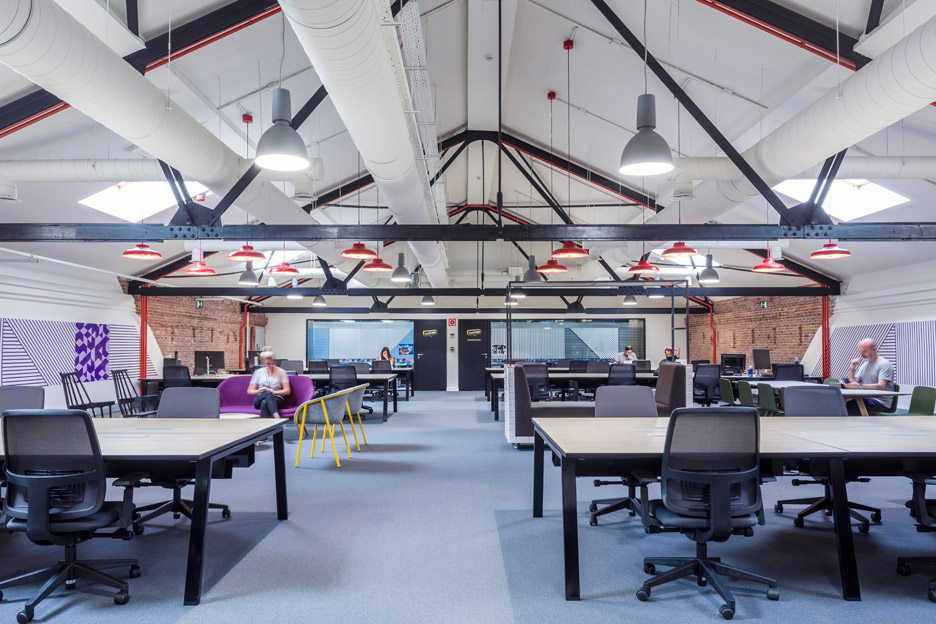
124,351
909,346
37,351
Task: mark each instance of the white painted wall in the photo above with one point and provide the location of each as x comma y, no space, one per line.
59,293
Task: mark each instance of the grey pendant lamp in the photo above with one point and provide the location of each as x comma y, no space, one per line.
281,148
400,273
708,275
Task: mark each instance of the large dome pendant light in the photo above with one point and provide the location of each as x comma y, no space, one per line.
708,275
377,265
552,266
830,251
248,277
247,254
283,267
569,251
141,251
199,268
400,273
531,274
769,265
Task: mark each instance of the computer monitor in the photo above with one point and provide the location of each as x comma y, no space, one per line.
733,362
171,362
207,362
642,366
762,359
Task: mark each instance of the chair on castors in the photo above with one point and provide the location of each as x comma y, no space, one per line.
824,401
924,511
362,368
597,366
622,375
318,366
578,366
538,380
21,397
77,398
671,388
705,383
726,392
131,404
710,485
342,377
55,491
621,402
183,403
292,367
381,366
179,376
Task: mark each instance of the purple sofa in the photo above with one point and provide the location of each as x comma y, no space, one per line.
235,400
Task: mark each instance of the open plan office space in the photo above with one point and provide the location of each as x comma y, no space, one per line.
467,311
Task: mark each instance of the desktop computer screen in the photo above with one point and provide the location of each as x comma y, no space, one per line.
733,362
762,359
207,362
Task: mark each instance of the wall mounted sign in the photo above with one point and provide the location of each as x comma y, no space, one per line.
429,333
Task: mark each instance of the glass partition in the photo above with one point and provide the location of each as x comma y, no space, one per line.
553,340
359,341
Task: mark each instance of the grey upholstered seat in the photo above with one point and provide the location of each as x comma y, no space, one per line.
625,402
21,397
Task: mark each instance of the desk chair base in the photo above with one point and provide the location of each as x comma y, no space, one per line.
903,569
178,507
630,503
706,570
824,503
68,572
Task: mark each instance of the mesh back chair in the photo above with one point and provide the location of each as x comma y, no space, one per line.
923,510
922,401
767,400
21,397
55,495
622,375
132,404
362,368
328,411
695,364
726,392
821,400
538,381
292,367
183,403
318,366
578,366
342,377
563,362
746,395
382,366
789,372
710,486
179,377
597,366
705,383
333,362
77,398
643,366
621,402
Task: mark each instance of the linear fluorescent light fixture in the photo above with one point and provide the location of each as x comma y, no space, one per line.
847,199
135,201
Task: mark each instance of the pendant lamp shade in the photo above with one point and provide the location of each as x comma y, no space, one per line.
319,302
769,266
400,273
427,300
199,269
568,251
830,251
516,293
283,268
629,300
643,267
247,254
358,251
281,148
531,275
248,278
646,153
294,294
552,266
708,275
680,250
377,265
142,251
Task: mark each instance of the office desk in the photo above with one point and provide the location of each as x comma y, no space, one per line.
370,378
869,446
847,393
187,448
577,379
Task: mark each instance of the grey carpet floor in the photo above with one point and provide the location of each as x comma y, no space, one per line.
432,523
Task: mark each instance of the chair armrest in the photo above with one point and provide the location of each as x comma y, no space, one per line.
645,477
131,480
128,482
921,478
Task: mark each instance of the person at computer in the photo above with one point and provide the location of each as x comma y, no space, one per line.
627,356
870,372
669,356
269,386
385,354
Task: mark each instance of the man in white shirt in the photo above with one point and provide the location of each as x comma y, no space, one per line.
627,356
871,372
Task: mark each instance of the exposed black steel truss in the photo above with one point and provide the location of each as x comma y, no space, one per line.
336,311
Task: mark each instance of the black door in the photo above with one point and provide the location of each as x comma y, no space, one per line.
429,342
474,353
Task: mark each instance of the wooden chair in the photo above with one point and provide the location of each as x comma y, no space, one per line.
131,404
77,398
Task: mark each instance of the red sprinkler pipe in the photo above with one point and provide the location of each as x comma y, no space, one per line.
826,339
144,335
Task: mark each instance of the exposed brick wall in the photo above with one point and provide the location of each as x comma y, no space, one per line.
179,325
786,327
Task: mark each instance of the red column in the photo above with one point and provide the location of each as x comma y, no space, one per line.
826,338
144,331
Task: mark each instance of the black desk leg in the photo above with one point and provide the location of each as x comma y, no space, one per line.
395,393
196,552
405,390
279,467
575,390
386,387
495,403
570,530
538,463
487,385
844,539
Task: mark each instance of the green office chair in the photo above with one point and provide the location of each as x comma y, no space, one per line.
726,392
831,380
767,400
922,401
746,395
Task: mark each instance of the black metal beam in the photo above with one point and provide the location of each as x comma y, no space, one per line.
330,312
353,272
448,163
168,268
805,271
133,17
611,272
693,109
628,288
543,192
343,190
136,232
874,15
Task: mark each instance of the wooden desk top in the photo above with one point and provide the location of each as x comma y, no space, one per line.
361,376
580,376
848,393
177,439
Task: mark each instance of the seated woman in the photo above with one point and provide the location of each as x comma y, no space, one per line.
385,354
268,386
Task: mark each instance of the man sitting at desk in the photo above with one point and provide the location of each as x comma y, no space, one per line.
871,372
627,356
669,358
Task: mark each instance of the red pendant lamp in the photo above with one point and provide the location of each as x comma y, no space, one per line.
358,251
569,251
769,266
142,251
377,265
283,267
643,267
199,268
247,254
830,251
551,266
679,250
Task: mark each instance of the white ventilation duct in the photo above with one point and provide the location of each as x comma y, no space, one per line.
46,45
126,170
866,167
896,84
352,57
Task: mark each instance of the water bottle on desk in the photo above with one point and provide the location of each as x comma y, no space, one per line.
750,371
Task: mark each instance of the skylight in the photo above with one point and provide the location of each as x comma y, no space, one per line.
135,201
847,199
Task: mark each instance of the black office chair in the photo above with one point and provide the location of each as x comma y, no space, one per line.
705,384
821,400
183,403
318,366
643,366
924,510
628,401
292,367
710,485
179,377
538,380
333,363
597,366
563,362
622,375
131,404
77,398
381,366
21,397
695,364
55,495
789,372
578,366
362,368
343,377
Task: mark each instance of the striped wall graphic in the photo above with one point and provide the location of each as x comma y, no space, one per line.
17,367
48,345
124,351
